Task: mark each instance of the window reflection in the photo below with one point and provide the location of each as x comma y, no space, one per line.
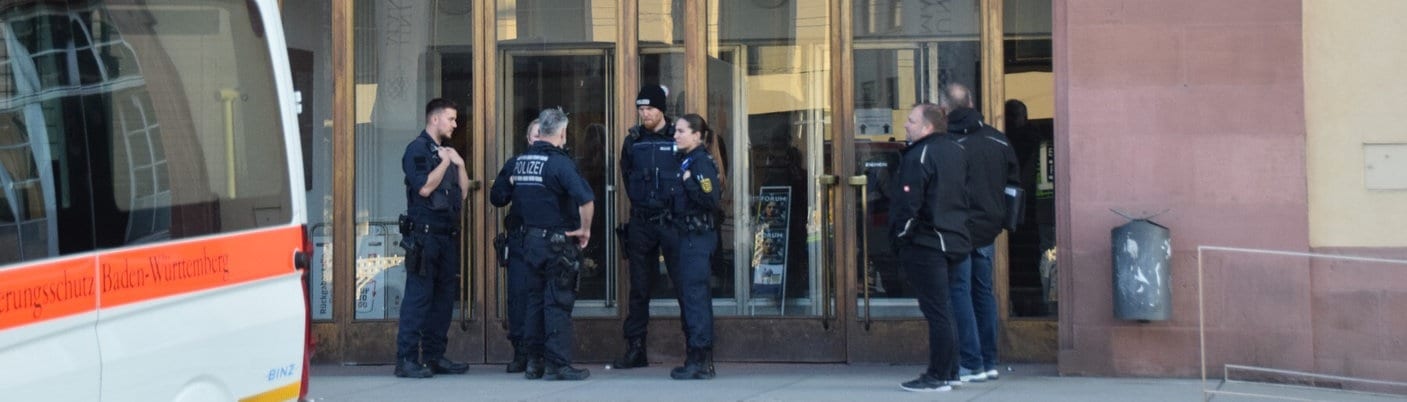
561,53
401,63
905,51
769,98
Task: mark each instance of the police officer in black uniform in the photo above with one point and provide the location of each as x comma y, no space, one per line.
516,278
928,221
556,205
650,168
694,212
434,180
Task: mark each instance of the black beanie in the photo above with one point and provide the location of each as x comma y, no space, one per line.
651,95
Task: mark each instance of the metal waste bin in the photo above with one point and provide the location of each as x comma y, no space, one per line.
1142,261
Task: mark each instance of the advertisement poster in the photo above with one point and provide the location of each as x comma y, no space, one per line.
769,249
380,275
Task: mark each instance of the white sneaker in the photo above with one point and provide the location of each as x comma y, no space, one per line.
975,377
993,374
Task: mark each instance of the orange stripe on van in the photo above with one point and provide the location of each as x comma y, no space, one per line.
46,291
140,274
59,288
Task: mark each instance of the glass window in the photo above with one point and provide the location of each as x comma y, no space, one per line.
662,62
905,51
406,53
197,151
769,101
308,32
562,53
1029,123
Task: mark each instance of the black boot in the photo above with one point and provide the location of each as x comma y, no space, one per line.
634,355
565,373
697,366
447,366
520,359
407,368
533,369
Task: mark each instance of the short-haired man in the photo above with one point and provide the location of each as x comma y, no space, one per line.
991,169
435,180
556,205
928,221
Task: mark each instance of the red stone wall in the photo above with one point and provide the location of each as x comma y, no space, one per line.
1196,106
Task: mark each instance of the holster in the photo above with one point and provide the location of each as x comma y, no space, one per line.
566,266
500,245
623,237
405,224
414,255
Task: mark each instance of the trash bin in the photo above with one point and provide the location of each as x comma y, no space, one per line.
1142,261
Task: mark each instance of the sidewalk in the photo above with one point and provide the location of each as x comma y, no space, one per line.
737,382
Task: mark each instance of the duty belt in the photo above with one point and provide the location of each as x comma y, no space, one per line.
540,232
657,216
434,230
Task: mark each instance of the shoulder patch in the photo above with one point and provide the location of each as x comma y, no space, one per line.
706,185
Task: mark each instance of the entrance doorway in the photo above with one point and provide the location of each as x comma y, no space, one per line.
786,284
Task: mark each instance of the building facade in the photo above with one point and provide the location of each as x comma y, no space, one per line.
1251,122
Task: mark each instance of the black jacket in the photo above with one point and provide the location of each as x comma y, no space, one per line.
929,204
991,167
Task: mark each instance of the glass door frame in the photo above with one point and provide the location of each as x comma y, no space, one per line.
608,207
893,340
835,335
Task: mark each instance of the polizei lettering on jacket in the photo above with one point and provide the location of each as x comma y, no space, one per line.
528,168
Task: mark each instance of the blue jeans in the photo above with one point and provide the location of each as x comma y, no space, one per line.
975,310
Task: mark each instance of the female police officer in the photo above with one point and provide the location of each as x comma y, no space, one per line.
694,212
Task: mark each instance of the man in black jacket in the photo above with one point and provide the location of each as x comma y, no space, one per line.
991,169
929,226
650,169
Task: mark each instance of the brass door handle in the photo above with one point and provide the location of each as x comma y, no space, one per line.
828,280
466,282
861,181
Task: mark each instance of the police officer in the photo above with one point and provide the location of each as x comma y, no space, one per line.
650,168
991,169
517,278
693,216
434,179
556,206
929,226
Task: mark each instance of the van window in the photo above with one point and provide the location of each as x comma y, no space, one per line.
132,124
